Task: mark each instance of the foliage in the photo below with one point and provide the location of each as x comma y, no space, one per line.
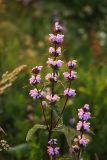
33,130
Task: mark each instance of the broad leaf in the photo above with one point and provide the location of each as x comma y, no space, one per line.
69,133
57,114
21,147
33,130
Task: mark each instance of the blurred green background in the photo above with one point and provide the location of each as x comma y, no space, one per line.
24,29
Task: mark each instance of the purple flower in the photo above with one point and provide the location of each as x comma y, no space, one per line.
59,38
50,151
56,151
55,64
53,99
35,79
86,125
34,93
71,75
45,92
86,106
83,140
83,125
58,27
51,50
53,150
84,114
69,92
53,142
71,64
80,113
79,126
52,77
52,37
56,52
37,69
66,74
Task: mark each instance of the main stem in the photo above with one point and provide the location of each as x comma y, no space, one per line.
43,111
66,100
79,154
51,121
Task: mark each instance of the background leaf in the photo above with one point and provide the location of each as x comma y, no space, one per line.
69,133
33,130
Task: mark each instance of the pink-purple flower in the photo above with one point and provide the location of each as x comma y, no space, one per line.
83,125
35,79
58,27
55,64
53,150
51,77
50,150
35,94
59,38
37,69
79,125
71,64
70,75
53,98
69,92
53,141
56,151
83,140
86,107
80,113
84,114
56,52
86,125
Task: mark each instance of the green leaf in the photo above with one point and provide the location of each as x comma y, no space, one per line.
69,133
33,130
57,114
21,147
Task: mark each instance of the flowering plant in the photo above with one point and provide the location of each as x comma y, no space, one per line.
50,100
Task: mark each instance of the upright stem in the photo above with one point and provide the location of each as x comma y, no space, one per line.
66,100
52,106
79,154
61,112
51,121
51,125
43,111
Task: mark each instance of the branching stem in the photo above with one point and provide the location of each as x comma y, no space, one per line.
63,109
